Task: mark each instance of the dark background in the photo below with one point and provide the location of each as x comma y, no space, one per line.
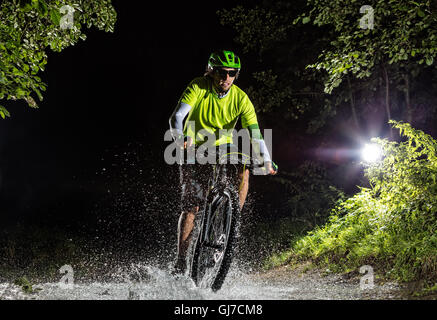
90,159
89,162
104,93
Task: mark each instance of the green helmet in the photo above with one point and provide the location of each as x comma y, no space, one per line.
224,58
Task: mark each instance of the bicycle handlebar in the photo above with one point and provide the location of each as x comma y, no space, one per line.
225,156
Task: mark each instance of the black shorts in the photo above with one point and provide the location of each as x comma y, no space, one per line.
194,179
194,184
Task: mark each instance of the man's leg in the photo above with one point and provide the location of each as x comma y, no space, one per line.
243,186
194,182
185,228
186,221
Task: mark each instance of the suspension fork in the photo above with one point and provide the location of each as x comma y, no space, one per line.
206,218
218,172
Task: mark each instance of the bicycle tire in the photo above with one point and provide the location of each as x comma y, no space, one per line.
224,199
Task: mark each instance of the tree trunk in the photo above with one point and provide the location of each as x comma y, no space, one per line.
407,98
387,96
351,97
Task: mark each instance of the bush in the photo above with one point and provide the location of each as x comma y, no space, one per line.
310,194
391,225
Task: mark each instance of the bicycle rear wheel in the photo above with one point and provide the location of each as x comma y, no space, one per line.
216,241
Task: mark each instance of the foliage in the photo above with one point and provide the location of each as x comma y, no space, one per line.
38,251
401,32
28,28
307,48
306,195
24,283
280,82
310,194
392,225
258,28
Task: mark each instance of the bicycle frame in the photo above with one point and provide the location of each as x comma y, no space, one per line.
215,243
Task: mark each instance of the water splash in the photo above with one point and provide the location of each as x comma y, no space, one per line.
147,282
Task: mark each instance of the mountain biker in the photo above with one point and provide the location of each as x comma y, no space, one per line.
211,102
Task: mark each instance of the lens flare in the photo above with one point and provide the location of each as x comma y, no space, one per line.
371,152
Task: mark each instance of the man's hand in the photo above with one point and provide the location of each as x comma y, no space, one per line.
183,142
271,168
188,142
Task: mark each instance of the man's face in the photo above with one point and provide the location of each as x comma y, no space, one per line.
224,78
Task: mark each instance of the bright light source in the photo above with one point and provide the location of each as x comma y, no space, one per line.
371,152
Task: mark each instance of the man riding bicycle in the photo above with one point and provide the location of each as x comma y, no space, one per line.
212,103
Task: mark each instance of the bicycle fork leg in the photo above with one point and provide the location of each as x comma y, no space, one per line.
206,225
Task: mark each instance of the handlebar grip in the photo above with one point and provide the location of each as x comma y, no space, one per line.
275,166
262,170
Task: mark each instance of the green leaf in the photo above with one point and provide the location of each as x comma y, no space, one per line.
42,7
55,16
20,93
26,5
25,37
305,20
3,112
40,97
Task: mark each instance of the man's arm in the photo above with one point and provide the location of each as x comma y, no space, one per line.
256,137
176,120
259,143
249,121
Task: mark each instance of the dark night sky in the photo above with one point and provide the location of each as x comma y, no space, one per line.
108,91
104,95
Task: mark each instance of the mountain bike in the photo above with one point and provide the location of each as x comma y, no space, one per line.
219,222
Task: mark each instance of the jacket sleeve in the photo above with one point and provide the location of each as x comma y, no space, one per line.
176,120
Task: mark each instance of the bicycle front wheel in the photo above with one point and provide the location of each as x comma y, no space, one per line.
215,244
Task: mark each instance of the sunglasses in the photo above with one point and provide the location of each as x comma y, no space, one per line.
223,73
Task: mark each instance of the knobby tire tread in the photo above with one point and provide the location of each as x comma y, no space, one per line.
231,245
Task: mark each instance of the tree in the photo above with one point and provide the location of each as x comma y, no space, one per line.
282,85
384,33
360,51
28,28
394,38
